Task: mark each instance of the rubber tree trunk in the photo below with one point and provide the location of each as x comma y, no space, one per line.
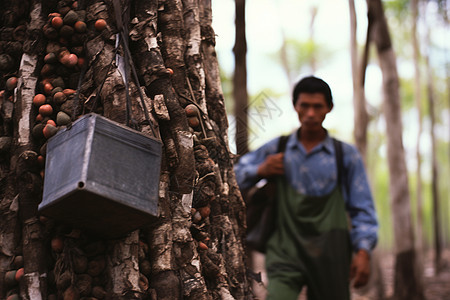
160,56
408,281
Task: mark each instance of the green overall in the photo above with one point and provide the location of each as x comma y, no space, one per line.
310,246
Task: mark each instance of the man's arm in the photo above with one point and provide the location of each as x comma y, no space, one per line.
360,207
261,163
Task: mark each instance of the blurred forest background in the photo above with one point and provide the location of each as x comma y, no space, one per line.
298,42
285,40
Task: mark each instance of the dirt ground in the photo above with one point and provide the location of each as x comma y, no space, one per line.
437,286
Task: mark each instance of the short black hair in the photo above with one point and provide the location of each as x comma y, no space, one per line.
312,85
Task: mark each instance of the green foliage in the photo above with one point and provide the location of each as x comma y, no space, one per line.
302,54
443,157
256,100
383,207
397,8
407,93
378,174
427,208
427,215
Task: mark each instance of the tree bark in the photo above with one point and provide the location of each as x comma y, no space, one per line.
160,58
24,182
408,281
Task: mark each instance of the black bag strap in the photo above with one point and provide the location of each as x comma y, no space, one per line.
339,161
282,143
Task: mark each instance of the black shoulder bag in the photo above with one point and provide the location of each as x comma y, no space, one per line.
261,209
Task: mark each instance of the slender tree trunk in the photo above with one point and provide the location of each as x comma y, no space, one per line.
160,57
285,60
434,178
240,80
313,58
408,282
418,102
361,120
437,225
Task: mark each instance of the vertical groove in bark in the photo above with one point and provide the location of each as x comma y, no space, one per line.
193,57
35,277
230,191
179,151
174,52
214,95
123,266
240,80
408,281
173,46
29,183
11,15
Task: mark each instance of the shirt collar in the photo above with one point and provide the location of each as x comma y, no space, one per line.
326,144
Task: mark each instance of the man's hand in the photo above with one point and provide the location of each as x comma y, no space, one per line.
273,165
360,269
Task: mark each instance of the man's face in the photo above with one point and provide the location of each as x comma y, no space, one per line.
311,110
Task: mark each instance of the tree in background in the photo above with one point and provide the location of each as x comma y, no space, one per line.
361,124
425,95
194,250
359,66
240,80
296,56
418,103
408,281
437,224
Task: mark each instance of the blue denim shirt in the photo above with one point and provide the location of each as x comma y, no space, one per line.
315,174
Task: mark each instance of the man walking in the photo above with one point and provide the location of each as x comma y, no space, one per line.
321,185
